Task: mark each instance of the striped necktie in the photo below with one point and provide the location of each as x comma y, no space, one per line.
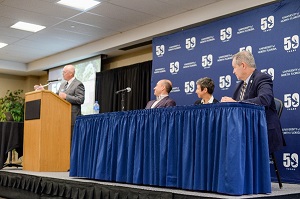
243,91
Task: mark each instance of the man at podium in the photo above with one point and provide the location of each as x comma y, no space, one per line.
73,91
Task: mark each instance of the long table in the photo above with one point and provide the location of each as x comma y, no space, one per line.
216,147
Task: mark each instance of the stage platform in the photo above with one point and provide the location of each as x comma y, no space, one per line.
18,184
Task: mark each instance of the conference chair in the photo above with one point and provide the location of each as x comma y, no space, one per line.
279,106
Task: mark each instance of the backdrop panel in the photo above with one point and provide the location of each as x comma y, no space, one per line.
271,33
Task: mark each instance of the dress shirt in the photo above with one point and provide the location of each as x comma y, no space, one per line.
211,100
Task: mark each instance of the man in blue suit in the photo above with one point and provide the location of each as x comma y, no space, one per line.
256,87
161,91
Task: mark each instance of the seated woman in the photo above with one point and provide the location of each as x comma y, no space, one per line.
205,89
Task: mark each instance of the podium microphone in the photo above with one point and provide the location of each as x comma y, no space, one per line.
53,80
128,89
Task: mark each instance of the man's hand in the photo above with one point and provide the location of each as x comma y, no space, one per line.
227,99
38,87
62,95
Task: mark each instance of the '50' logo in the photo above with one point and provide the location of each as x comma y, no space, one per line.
291,100
207,61
174,67
189,87
225,34
225,82
269,71
246,48
290,160
160,50
291,43
267,23
190,43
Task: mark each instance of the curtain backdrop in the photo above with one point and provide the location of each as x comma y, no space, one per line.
136,76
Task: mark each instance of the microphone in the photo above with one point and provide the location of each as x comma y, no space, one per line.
128,89
54,80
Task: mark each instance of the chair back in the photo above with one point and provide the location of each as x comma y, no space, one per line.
279,106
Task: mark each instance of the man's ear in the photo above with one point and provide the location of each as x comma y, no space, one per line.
243,65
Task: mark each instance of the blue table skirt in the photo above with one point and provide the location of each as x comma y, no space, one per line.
216,147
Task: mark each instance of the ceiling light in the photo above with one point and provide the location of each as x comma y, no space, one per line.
2,45
79,4
27,26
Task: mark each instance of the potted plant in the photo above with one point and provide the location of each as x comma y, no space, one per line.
12,102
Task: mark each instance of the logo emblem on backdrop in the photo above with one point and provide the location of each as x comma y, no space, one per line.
174,67
225,34
246,48
189,87
267,23
269,71
190,43
207,61
290,161
291,101
225,82
291,43
160,50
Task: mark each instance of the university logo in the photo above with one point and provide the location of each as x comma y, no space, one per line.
267,23
190,43
225,34
246,48
291,101
291,43
174,67
269,71
189,87
290,161
225,82
160,50
207,61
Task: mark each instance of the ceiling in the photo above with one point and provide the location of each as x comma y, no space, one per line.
68,28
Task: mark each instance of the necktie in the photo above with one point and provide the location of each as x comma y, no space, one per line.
66,86
243,91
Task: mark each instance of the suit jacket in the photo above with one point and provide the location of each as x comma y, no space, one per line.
260,91
75,95
199,101
165,102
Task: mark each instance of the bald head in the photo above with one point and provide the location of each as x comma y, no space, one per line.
68,72
163,87
167,84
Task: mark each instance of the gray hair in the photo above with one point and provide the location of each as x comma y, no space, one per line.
244,56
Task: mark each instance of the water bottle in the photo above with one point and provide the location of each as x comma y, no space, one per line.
96,108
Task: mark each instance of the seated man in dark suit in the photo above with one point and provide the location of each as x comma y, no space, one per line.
161,91
257,88
205,89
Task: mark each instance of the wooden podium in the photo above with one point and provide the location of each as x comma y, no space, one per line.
47,132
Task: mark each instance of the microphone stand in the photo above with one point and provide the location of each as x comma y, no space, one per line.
123,101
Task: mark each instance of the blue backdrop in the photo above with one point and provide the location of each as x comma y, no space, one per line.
271,33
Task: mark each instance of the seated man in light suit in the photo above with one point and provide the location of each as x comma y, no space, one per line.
161,91
205,89
73,91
